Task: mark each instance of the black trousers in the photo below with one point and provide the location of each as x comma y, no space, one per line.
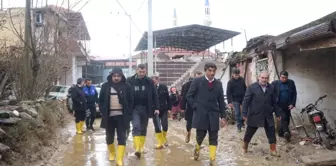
285,119
90,120
213,136
161,120
116,123
188,125
79,115
269,130
189,113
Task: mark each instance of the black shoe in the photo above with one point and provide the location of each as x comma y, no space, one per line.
239,130
287,137
92,128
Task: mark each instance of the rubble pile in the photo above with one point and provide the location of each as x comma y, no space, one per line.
27,126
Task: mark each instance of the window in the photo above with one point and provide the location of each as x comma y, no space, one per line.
39,18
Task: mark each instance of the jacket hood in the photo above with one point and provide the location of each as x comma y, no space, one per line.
116,71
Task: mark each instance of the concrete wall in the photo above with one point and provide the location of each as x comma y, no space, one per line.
314,73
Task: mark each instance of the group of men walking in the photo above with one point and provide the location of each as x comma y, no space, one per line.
256,104
85,97
138,98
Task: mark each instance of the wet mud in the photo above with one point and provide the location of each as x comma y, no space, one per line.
90,149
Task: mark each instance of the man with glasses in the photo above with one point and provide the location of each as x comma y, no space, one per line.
286,100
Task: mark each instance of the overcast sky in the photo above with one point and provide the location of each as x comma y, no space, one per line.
109,31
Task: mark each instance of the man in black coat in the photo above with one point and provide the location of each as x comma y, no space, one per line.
116,105
79,104
189,112
206,97
146,104
258,107
235,92
165,107
286,100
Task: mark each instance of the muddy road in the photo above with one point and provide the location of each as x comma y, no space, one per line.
90,149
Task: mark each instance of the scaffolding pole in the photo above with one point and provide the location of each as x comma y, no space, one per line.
150,40
130,48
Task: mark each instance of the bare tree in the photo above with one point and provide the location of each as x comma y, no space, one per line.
49,54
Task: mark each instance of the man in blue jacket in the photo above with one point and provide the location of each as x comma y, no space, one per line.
91,96
286,99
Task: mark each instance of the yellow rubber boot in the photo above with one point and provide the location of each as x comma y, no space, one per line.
137,145
197,151
120,155
82,123
142,143
212,153
159,139
165,143
78,130
112,152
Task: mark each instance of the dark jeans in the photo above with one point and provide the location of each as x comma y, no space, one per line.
163,119
213,136
90,120
79,115
116,123
270,133
238,114
140,121
285,119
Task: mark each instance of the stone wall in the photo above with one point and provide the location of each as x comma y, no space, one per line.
314,73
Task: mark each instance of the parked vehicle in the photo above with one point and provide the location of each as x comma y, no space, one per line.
324,133
58,92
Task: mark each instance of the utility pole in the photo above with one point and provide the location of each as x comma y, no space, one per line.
150,40
245,35
130,67
155,55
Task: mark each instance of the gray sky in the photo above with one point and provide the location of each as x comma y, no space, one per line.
109,32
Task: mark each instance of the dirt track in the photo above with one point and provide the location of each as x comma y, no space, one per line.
90,149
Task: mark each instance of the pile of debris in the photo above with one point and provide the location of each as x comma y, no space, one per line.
27,126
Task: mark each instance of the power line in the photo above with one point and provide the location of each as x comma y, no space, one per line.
129,17
143,2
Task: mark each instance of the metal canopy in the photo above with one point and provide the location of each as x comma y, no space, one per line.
190,37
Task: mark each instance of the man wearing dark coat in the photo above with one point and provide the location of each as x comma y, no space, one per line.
189,112
206,97
79,104
116,105
146,104
286,100
258,107
161,120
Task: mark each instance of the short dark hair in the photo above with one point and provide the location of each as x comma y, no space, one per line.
210,65
141,66
284,73
235,71
197,73
87,79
